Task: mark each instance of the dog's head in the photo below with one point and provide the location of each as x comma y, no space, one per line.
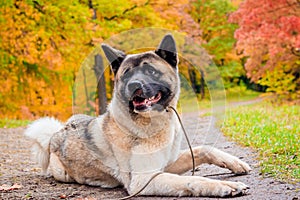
147,81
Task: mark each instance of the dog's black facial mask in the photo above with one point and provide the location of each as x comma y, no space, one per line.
142,86
144,89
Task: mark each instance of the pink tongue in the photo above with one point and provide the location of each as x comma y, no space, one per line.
148,102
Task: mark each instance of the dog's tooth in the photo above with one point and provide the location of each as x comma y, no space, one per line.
147,102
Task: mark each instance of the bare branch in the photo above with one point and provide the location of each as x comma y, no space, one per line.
125,11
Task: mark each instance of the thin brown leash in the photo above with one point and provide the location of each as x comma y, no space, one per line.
155,175
138,192
186,137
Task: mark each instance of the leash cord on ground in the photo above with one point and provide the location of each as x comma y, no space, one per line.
186,137
133,195
155,175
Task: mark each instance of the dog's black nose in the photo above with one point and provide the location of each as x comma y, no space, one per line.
134,85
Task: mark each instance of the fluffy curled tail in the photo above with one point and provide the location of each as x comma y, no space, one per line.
41,132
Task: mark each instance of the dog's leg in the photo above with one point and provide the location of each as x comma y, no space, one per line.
210,155
174,185
58,171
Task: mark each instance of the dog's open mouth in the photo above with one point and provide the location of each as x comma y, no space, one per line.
140,101
149,97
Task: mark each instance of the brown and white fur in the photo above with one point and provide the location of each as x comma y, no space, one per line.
136,138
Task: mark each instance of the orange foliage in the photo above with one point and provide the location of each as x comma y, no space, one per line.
39,62
43,44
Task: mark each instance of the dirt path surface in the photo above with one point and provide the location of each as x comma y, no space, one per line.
16,167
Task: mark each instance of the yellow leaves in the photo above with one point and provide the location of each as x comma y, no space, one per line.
36,98
17,35
54,59
236,3
139,2
49,42
232,55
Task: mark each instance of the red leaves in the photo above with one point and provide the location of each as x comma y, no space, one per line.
62,196
86,198
269,28
9,188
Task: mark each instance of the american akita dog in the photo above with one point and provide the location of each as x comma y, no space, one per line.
136,138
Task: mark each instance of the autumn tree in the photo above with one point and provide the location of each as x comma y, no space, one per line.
41,44
217,37
269,37
44,42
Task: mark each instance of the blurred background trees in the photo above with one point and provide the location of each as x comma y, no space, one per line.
42,43
268,35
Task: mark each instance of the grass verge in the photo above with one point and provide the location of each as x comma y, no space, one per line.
13,123
274,131
190,102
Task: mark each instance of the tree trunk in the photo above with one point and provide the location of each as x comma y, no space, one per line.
192,75
202,91
101,89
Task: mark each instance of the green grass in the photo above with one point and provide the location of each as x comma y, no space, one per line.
13,123
240,93
189,102
274,131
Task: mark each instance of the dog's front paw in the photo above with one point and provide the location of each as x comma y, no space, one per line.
217,157
237,188
238,166
218,188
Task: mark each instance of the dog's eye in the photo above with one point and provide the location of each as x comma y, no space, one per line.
151,71
127,70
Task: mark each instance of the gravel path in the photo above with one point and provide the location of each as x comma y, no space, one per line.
16,167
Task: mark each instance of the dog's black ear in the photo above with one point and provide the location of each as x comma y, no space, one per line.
167,50
114,56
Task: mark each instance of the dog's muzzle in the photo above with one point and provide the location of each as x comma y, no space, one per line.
144,96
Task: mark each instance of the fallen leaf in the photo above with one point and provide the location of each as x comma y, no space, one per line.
10,187
86,198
